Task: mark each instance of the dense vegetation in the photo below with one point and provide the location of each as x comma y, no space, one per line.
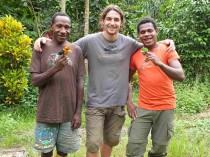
15,52
184,21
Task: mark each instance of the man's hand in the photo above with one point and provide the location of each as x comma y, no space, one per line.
76,121
170,43
39,41
153,58
60,63
131,108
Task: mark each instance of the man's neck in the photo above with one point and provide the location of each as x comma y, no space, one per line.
150,48
59,43
109,37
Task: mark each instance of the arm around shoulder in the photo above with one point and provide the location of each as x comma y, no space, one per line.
39,42
170,43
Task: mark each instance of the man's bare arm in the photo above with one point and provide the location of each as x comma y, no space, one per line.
39,42
170,43
76,122
173,70
131,108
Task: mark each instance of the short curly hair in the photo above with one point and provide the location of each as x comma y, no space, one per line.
59,14
146,20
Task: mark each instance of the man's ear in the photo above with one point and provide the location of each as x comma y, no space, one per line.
157,30
102,24
139,40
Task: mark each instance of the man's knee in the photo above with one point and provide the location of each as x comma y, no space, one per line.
112,140
92,148
93,145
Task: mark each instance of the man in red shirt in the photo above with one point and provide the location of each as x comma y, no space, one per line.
156,71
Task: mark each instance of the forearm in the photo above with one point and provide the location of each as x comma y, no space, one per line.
80,94
131,73
131,108
39,80
170,43
173,73
129,98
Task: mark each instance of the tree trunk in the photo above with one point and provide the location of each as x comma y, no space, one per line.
63,5
86,30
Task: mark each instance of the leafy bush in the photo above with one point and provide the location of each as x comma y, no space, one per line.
187,23
192,97
15,54
30,96
190,100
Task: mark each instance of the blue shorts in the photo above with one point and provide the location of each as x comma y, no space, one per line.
59,135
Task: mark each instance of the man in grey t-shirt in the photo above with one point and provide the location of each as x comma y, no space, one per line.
108,54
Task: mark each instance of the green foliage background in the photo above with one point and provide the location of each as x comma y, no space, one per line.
185,21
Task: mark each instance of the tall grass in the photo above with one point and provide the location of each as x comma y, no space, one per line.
191,138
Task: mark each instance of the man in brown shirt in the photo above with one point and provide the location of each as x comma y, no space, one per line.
59,78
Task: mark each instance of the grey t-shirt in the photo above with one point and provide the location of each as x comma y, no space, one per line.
108,68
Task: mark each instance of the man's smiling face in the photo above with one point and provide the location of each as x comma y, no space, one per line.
148,34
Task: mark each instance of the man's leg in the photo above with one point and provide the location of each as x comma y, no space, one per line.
47,154
90,154
61,154
156,155
113,124
106,150
45,138
162,131
94,128
67,140
138,133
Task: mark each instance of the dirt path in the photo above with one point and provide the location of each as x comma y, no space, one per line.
17,152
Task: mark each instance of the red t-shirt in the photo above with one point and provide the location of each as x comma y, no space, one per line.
156,91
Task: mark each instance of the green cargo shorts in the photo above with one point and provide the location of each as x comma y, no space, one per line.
59,135
103,125
160,123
